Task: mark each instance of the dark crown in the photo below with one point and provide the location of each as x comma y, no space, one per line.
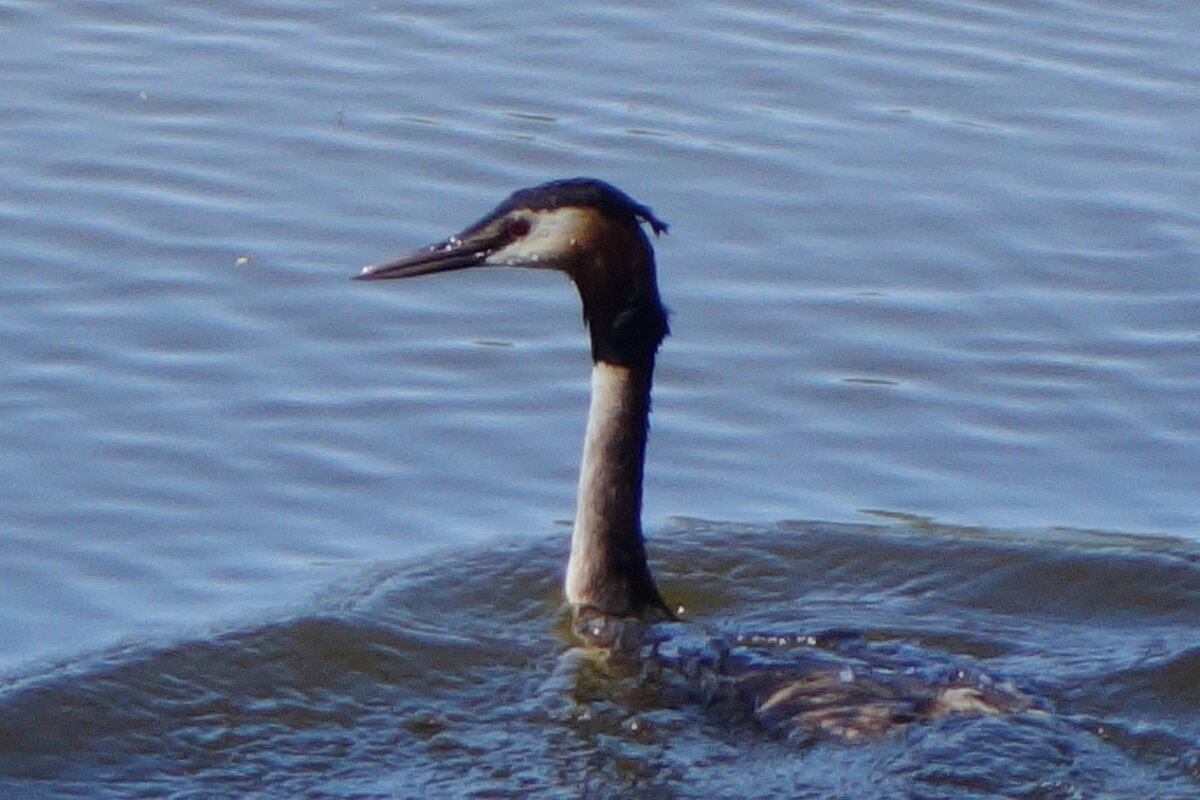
606,198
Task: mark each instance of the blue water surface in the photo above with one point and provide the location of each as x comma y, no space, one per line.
930,263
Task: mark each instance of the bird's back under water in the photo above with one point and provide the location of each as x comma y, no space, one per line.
835,684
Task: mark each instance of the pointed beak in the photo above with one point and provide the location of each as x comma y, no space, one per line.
454,253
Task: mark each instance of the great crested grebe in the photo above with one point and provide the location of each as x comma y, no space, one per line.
592,232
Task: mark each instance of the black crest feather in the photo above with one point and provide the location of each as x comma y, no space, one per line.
583,192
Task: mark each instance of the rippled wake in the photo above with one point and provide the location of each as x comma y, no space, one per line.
460,678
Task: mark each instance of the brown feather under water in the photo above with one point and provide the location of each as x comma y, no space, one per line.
836,685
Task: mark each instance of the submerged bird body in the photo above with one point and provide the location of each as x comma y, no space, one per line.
593,233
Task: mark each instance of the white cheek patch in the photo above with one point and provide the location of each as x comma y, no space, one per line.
553,233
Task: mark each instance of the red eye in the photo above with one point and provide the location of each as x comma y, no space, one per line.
518,227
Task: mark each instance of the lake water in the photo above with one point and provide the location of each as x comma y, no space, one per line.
269,532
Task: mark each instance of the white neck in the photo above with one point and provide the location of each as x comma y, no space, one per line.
607,571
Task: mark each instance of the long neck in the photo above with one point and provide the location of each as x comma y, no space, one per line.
607,572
